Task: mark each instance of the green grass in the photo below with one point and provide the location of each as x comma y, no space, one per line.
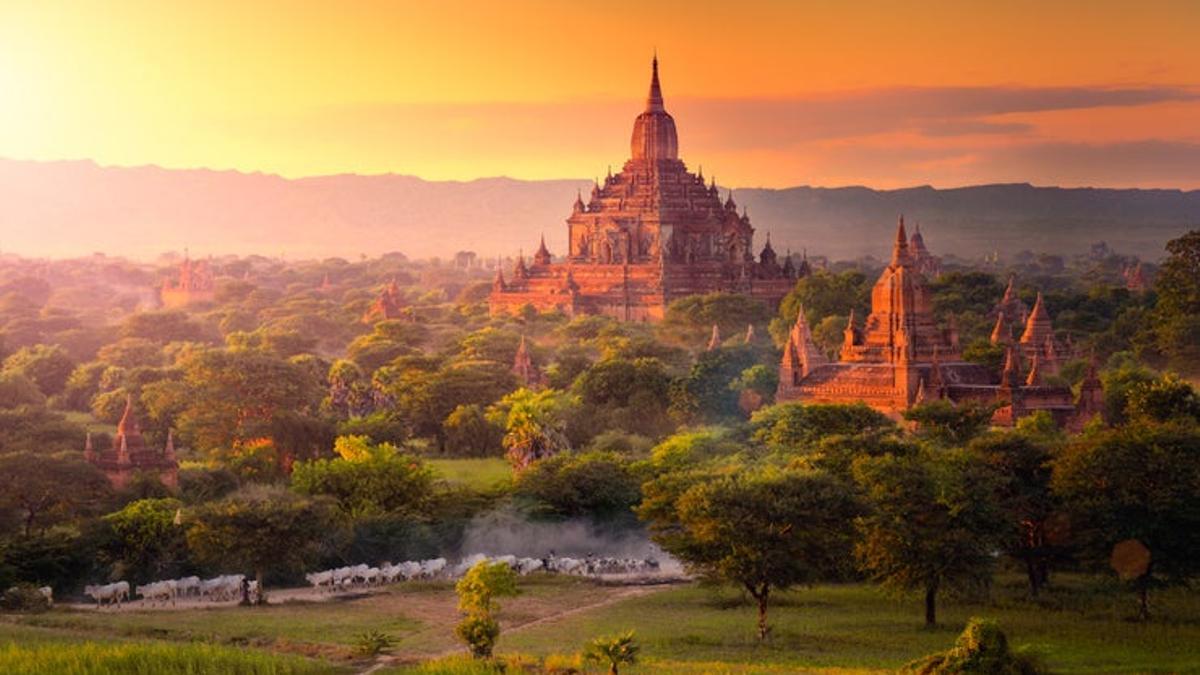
419,616
483,473
328,628
857,627
95,658
1078,626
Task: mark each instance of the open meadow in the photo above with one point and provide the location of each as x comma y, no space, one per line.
1076,628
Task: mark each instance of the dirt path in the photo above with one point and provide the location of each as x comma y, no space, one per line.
621,595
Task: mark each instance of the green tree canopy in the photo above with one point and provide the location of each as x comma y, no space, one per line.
763,529
1138,482
584,484
146,541
1178,308
535,424
48,366
261,529
932,522
367,479
943,423
793,425
43,490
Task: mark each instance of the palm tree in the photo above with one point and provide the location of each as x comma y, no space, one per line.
616,651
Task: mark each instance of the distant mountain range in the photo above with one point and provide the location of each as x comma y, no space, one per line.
78,207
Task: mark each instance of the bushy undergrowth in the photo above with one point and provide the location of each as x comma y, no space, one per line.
24,598
147,659
981,649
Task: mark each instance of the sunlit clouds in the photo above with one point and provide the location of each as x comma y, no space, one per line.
764,93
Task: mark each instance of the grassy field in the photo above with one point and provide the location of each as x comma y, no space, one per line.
480,474
856,627
1076,628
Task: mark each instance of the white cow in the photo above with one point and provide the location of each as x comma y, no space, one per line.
158,591
188,586
320,580
112,594
432,568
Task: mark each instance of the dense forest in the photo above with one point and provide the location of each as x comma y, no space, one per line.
285,395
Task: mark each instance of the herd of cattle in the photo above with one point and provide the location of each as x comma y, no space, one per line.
217,589
233,586
361,576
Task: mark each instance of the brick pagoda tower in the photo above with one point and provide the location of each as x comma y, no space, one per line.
650,234
901,357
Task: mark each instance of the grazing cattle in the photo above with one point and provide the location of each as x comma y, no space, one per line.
187,586
158,591
432,568
320,580
435,568
225,587
48,594
112,594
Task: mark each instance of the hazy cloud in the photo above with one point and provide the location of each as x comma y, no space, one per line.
949,111
884,137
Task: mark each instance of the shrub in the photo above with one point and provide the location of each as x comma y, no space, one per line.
982,648
613,651
477,593
24,598
479,632
373,643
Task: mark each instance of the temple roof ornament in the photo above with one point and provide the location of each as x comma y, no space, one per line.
654,135
542,257
714,341
1038,326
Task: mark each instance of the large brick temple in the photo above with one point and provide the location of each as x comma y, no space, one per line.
650,234
901,357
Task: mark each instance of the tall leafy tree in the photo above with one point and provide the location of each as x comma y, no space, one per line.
45,490
1035,532
944,423
1178,308
236,396
932,522
49,366
478,592
764,529
1139,482
262,530
367,479
792,425
146,539
535,424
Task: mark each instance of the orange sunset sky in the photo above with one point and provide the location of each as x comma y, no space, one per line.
764,93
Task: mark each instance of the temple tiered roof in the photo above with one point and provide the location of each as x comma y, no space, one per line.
649,234
901,357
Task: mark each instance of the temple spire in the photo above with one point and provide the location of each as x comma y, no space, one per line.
714,342
1034,379
654,102
900,248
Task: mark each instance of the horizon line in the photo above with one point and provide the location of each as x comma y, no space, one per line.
396,174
